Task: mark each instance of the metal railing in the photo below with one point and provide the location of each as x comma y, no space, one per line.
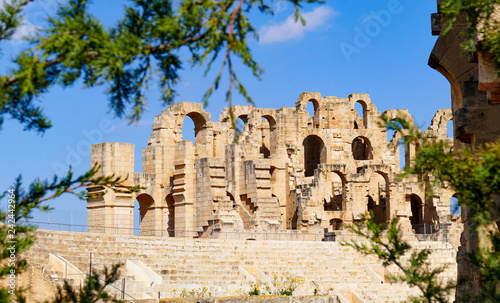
60,258
424,232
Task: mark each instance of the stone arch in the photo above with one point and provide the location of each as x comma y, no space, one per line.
392,135
403,149
441,125
147,222
406,150
377,209
314,119
306,97
188,130
363,116
337,199
314,154
336,224
449,129
232,201
361,148
200,123
268,136
170,216
417,212
399,115
378,192
241,112
404,121
236,111
271,120
243,118
447,69
315,105
178,112
422,214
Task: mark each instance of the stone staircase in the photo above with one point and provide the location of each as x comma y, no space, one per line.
225,266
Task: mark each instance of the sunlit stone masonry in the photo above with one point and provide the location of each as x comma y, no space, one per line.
289,169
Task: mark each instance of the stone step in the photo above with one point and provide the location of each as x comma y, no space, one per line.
215,262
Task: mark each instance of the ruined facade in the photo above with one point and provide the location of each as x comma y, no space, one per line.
475,102
289,170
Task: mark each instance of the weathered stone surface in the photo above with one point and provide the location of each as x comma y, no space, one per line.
256,299
475,95
289,170
183,267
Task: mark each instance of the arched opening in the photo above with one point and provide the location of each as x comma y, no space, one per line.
406,151
449,129
170,216
378,197
377,209
243,118
455,209
146,215
336,201
188,133
404,154
314,154
417,213
136,218
360,117
197,124
231,199
312,106
336,224
391,132
361,149
241,123
265,137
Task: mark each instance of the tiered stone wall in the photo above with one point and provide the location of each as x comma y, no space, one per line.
289,170
229,267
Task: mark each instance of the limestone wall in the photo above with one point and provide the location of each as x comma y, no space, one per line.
229,267
290,169
475,99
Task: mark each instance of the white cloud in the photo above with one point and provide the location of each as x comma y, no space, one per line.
280,6
290,29
24,30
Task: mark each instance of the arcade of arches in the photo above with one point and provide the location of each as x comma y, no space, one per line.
289,169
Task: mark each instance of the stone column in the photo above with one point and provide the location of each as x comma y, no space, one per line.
110,210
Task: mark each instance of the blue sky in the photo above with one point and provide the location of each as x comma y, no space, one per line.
347,46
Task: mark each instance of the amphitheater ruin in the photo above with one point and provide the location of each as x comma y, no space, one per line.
211,211
287,171
219,216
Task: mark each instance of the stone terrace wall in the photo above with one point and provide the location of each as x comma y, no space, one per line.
228,267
